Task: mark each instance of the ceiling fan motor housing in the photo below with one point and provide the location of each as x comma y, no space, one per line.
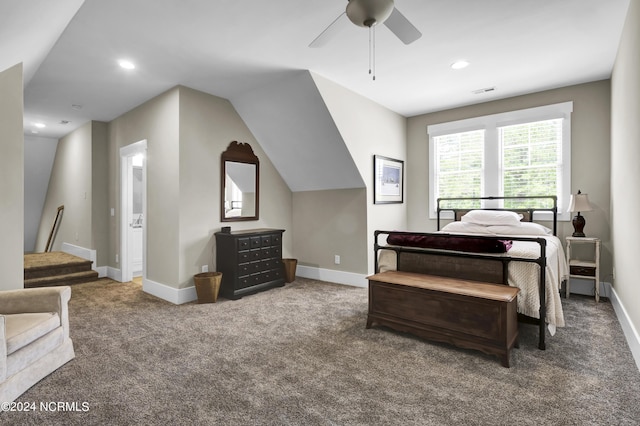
367,13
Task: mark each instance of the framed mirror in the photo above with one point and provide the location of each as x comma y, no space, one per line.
240,180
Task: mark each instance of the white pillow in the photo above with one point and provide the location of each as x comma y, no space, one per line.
466,228
523,228
492,217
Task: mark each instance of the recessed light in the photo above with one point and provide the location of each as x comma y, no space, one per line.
40,125
458,65
127,65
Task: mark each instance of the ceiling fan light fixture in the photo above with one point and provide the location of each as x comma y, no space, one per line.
367,13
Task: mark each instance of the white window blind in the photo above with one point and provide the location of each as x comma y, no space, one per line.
518,153
460,164
531,160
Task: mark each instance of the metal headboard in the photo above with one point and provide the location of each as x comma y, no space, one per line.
527,212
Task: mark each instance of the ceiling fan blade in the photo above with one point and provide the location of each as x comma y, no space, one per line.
402,28
329,32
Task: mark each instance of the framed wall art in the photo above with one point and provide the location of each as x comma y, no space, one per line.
388,180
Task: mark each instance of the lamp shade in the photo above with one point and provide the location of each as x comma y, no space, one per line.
579,203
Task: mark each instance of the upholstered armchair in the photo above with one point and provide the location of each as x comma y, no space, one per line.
34,337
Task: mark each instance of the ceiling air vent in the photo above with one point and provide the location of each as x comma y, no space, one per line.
485,90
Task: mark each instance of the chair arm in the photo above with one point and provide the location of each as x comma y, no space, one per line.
43,299
3,351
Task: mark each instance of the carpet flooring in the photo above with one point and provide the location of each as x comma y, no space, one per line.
300,355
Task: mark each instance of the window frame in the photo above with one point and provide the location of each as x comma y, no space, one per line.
492,150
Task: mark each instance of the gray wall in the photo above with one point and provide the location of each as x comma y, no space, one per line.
625,160
99,192
186,132
329,223
590,154
11,179
39,154
207,125
367,129
78,182
157,121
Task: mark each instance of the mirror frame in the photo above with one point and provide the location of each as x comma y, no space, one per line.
238,152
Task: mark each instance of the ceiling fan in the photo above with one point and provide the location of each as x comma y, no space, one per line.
369,13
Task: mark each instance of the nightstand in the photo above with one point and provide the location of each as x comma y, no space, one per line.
586,269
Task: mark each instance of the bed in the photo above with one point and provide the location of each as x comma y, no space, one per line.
489,245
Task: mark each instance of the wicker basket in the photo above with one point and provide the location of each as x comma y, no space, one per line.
207,286
290,269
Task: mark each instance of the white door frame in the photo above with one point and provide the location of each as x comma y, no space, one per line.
126,155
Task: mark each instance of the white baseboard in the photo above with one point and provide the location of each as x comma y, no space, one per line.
82,252
330,275
630,332
114,273
87,254
102,271
163,291
177,296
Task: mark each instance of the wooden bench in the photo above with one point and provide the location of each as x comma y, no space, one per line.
467,314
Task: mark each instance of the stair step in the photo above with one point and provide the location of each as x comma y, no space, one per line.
68,268
63,279
39,265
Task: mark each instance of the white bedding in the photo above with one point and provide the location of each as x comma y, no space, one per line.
523,275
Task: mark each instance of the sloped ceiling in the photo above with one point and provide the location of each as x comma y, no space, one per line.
244,50
29,29
226,47
294,127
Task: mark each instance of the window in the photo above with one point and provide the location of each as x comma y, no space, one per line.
459,165
519,153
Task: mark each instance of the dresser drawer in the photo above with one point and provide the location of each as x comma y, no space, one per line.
248,256
268,252
244,244
249,280
271,275
587,271
249,268
269,264
256,242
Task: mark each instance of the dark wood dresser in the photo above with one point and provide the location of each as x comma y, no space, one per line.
250,261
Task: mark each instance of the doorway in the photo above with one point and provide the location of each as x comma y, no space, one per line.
133,211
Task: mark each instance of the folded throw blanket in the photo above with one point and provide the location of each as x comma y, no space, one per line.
449,242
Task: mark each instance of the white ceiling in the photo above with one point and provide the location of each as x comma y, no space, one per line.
229,47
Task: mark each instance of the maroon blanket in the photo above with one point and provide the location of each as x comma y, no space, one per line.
449,242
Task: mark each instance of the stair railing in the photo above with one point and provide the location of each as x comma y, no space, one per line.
56,224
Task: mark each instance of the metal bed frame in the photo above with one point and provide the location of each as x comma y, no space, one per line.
541,261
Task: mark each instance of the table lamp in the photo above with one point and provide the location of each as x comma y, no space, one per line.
579,203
